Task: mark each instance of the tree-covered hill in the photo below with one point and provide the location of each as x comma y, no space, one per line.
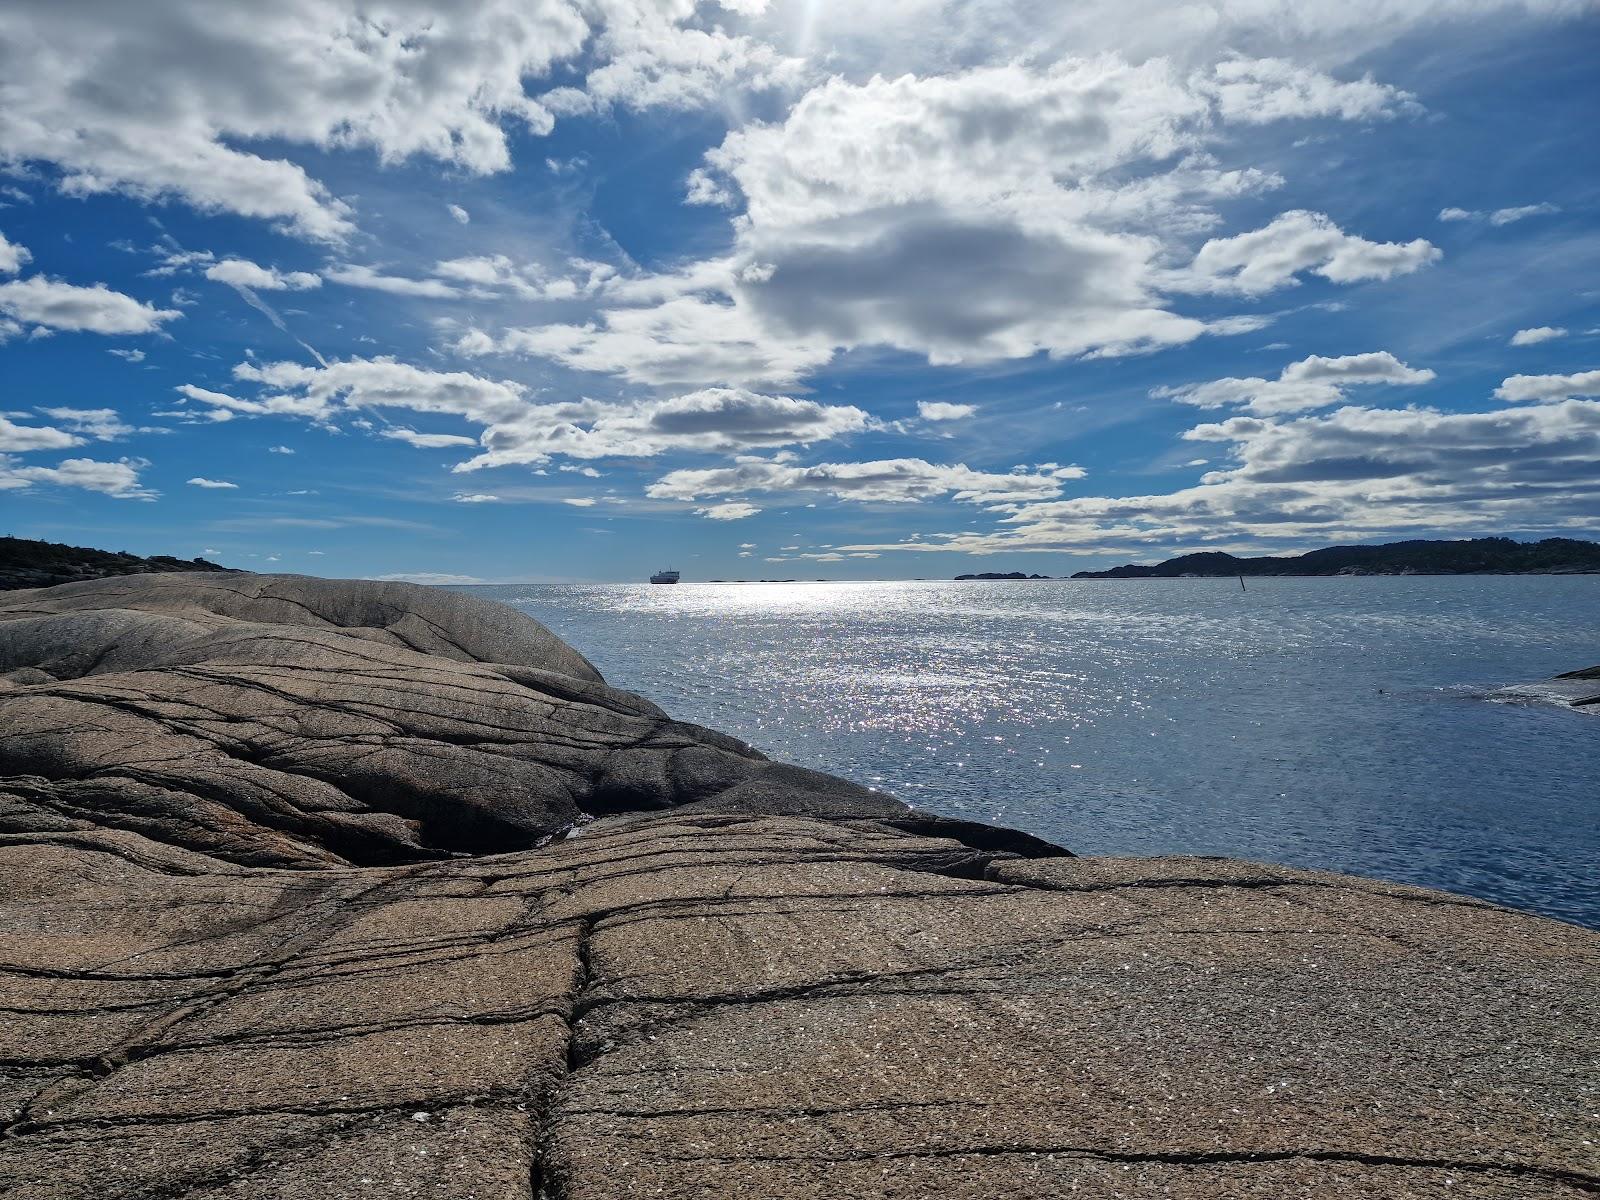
29,564
1477,556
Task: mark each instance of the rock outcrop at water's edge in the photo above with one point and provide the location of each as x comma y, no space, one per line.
288,912
1575,689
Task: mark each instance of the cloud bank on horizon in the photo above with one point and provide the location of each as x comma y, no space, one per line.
546,288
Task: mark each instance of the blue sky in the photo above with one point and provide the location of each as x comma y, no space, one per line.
574,289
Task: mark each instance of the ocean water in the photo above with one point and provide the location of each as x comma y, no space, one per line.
1340,723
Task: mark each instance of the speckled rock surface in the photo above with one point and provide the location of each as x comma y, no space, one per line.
756,990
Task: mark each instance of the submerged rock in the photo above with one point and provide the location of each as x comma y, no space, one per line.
256,944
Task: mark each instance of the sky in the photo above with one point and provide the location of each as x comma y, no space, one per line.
573,290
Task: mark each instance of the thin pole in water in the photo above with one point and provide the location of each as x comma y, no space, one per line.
1242,587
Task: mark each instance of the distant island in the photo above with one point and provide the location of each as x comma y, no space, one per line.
1001,575
1476,556
25,563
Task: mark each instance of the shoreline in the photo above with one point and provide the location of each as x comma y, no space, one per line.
294,905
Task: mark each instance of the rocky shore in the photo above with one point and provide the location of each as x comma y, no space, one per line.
336,889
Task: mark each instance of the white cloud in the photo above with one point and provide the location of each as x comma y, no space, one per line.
519,430
460,214
1499,216
1505,216
12,256
1356,472
354,275
1299,241
1314,382
119,479
239,272
1540,333
51,304
732,510
899,480
985,214
22,438
580,501
485,274
428,441
319,393
200,481
939,410
174,99
133,356
710,420
280,450
650,59
1544,388
102,424
682,341
1258,91
474,498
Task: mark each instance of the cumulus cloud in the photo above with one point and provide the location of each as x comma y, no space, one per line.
318,393
239,272
12,256
987,214
52,304
461,215
21,438
1314,382
899,480
1544,388
710,420
686,340
119,480
200,481
519,429
650,59
171,99
474,498
580,501
102,424
1540,333
1259,91
1296,242
1356,472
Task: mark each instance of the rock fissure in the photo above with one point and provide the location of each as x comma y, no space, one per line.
314,889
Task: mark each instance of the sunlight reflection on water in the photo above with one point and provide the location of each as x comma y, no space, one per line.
1323,722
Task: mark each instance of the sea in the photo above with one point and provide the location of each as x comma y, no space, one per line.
1353,723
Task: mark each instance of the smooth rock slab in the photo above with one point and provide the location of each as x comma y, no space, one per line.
696,1005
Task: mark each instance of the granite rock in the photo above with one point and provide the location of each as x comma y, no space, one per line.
256,946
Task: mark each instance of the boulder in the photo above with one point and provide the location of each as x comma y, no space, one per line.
320,890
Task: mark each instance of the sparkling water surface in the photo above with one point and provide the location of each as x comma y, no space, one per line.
1339,723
